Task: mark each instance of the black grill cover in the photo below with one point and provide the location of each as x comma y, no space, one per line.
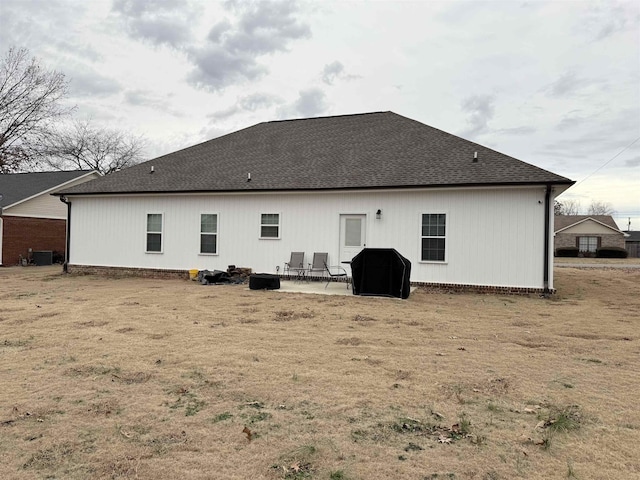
381,271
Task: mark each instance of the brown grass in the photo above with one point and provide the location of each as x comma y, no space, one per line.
133,378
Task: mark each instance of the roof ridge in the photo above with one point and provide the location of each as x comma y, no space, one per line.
327,116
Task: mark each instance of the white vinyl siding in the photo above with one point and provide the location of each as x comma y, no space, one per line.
154,233
494,236
209,233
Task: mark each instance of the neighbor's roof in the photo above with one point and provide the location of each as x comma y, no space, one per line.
364,151
16,187
562,222
633,236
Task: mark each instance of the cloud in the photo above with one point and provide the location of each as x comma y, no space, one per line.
567,85
571,121
333,71
633,162
161,22
603,20
524,130
232,49
250,103
217,68
310,103
480,110
146,98
230,52
86,82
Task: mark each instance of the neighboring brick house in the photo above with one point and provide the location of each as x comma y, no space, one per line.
31,219
587,232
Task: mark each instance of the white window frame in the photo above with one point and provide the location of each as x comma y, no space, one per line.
216,234
279,225
445,237
588,242
147,232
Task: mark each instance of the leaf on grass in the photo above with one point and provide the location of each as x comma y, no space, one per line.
248,432
443,439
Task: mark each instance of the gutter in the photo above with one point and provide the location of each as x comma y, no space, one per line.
547,200
65,266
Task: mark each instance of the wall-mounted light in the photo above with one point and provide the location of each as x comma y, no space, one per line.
378,214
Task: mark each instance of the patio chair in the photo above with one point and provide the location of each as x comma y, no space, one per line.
336,273
295,265
319,261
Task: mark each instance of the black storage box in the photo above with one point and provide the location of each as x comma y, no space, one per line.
264,281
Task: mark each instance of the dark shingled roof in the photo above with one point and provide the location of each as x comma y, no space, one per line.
365,151
564,221
16,187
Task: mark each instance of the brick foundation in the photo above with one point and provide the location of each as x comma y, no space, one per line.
184,275
157,273
23,233
481,289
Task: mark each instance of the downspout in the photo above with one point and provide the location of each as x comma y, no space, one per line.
547,200
65,266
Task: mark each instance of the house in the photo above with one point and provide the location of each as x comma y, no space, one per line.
329,184
632,243
31,219
587,232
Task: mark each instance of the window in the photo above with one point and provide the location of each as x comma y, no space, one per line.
209,233
270,225
154,233
433,237
588,244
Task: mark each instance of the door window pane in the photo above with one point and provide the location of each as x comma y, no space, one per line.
353,232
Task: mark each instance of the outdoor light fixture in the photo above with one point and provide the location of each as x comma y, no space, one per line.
378,214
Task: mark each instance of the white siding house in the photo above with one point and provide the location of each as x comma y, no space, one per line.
488,234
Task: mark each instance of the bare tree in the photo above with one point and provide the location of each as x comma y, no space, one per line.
568,207
600,208
30,104
558,207
86,147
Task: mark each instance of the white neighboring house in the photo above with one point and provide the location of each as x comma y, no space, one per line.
30,218
465,216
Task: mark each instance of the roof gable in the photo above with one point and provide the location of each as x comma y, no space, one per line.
564,223
366,151
19,187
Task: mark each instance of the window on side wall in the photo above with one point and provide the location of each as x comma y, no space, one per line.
433,237
588,244
270,225
154,233
209,233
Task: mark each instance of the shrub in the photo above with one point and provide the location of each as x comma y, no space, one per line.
611,252
567,252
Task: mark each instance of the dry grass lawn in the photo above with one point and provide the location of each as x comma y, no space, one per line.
130,378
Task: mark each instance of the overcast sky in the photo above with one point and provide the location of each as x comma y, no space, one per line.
555,84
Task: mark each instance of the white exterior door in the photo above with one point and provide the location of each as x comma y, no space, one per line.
352,236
